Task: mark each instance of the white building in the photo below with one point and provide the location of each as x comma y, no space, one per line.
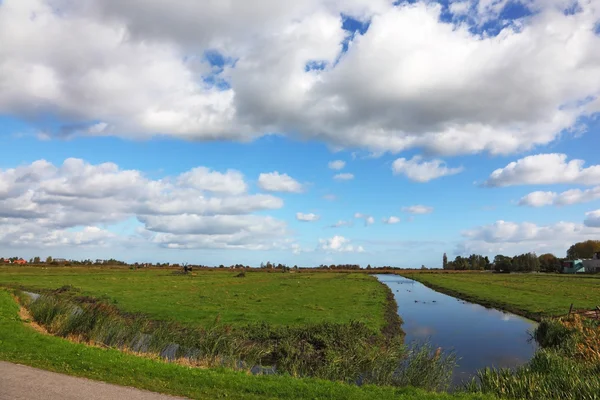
592,265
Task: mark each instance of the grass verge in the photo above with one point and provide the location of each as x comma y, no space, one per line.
22,344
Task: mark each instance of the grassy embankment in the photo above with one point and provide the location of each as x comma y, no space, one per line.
531,295
22,344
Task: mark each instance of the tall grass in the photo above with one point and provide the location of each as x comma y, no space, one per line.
350,352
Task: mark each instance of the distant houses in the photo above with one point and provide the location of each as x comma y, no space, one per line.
582,266
18,261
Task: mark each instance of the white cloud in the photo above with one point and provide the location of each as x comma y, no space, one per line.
137,69
276,182
423,171
511,238
459,7
330,197
42,205
391,220
339,244
202,178
310,217
341,223
572,196
337,164
344,177
369,220
575,196
418,209
538,199
592,219
297,249
544,169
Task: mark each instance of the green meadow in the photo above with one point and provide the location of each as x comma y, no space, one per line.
532,295
293,299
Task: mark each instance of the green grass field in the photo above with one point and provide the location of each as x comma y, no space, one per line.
531,295
275,298
19,343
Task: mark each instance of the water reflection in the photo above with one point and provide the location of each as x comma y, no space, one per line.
480,336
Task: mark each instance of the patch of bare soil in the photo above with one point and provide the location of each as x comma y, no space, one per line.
28,319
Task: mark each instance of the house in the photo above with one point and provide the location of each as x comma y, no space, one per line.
20,261
573,267
592,265
4,261
59,260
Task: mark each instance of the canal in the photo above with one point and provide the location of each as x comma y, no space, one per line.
481,337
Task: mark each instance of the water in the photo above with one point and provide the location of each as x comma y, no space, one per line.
481,337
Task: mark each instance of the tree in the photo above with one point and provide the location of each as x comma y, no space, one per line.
48,260
502,263
445,261
369,266
36,260
583,249
549,263
488,264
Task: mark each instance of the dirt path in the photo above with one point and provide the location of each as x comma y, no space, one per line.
19,382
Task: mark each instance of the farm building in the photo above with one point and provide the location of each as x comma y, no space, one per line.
20,261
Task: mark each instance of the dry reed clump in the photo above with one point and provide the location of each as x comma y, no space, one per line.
587,345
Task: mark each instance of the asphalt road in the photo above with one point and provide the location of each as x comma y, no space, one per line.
19,382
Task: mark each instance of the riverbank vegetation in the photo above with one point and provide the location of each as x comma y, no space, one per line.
531,295
22,344
348,352
567,367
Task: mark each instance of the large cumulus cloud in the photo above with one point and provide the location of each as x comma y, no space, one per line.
140,68
76,203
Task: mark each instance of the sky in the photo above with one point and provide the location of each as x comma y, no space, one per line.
323,131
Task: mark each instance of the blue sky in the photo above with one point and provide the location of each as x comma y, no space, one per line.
451,91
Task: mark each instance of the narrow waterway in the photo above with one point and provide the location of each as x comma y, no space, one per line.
481,337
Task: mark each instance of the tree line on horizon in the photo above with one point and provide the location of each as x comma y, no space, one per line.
527,262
